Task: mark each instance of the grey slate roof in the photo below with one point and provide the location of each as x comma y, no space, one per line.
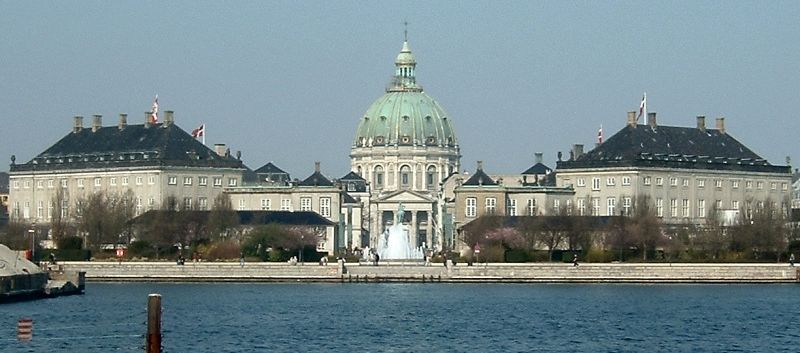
316,179
538,169
132,146
352,176
270,168
674,147
479,178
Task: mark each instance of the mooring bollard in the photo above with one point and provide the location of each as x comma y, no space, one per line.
25,329
153,343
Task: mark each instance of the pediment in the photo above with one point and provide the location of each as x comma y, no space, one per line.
405,196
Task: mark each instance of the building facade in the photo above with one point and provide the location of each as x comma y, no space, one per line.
150,162
687,173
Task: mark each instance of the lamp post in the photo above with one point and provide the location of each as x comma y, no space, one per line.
32,232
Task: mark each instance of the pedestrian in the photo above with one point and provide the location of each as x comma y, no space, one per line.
52,259
241,259
574,259
791,259
377,258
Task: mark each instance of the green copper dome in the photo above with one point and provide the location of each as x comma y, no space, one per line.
405,115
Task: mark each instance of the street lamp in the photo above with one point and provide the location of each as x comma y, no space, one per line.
32,232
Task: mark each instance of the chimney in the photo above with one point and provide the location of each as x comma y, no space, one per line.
651,119
220,149
577,150
721,125
480,165
147,119
632,119
316,167
78,124
123,121
701,123
168,118
538,157
97,122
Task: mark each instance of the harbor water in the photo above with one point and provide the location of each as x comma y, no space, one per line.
415,318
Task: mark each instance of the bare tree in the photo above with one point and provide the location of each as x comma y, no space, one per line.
222,218
59,220
644,226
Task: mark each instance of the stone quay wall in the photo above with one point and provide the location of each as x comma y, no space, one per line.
416,272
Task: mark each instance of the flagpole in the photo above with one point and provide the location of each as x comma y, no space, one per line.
645,108
204,134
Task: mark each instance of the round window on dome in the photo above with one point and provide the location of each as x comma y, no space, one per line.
405,139
431,140
405,118
378,140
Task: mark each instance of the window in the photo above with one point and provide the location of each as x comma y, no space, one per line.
611,206
784,186
660,208
124,180
760,185
202,181
511,207
16,184
581,207
673,181
556,206
673,208
172,180
217,181
431,177
405,176
187,203
701,208
80,183
27,184
626,180
659,181
40,210
471,206
685,182
735,184
581,182
701,183
595,206
64,208
187,181
773,186
305,204
626,205
139,180
202,203
232,181
595,183
139,205
491,205
378,177
531,207
718,183
286,205
40,184
266,204
26,212
112,181
325,206
51,183
610,181
97,182
748,184
151,179
685,207
718,205
241,204
569,207
735,204
151,202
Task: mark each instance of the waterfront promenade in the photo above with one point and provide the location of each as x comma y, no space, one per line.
97,271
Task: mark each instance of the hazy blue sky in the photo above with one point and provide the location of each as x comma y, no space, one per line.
288,81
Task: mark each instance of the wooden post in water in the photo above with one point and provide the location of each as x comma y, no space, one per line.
154,323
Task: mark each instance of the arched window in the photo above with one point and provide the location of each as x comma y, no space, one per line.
405,176
430,177
378,177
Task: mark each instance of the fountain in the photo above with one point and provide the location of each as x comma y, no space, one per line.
394,243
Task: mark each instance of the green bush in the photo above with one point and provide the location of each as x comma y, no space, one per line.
70,243
140,248
276,255
517,255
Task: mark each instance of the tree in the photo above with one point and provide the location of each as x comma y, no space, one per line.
59,222
644,226
222,217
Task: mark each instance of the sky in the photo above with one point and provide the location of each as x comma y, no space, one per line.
287,81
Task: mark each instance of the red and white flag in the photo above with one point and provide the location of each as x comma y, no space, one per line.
154,111
200,131
643,108
600,135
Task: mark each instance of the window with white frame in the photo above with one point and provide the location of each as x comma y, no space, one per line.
595,183
64,183
187,181
266,204
40,184
569,207
202,181
701,208
202,203
15,211
80,183
405,176
673,207
659,181
64,208
232,181
659,208
701,183
773,186
581,207
241,204
556,206
27,184
112,181
685,207
531,207
611,206
626,180
760,185
748,184
718,183
626,205
325,206
139,206
124,180
581,182
286,204
139,180
15,184
305,204
187,203
151,179
610,181
735,204
217,181
50,210
97,182
673,181
595,206
784,186
51,183
40,210
471,208
173,180
718,205
735,184
685,182
511,207
491,205
378,175
26,211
